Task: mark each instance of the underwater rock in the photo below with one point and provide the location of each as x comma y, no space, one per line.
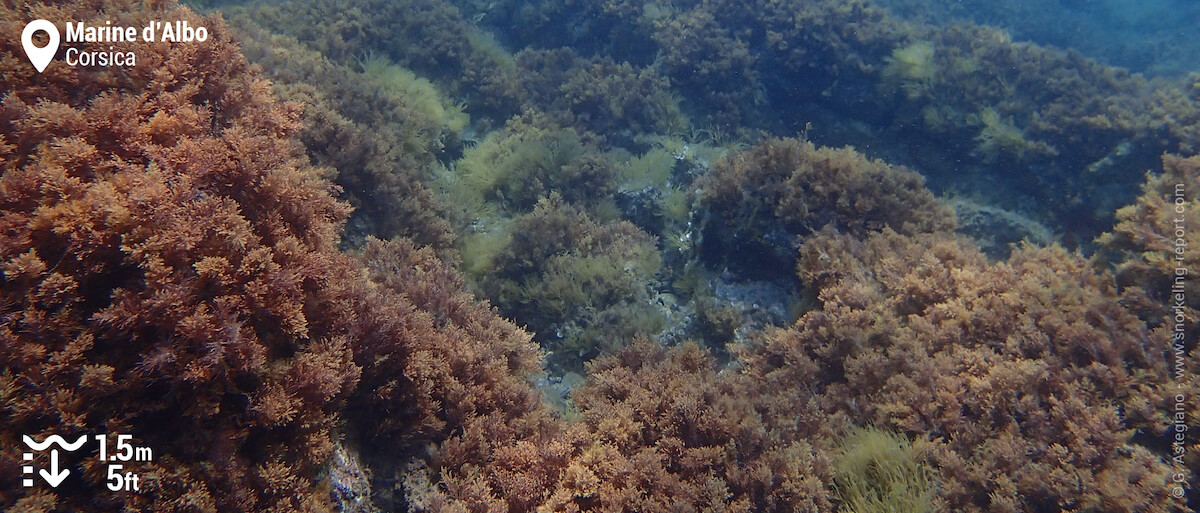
997,230
642,208
351,488
757,305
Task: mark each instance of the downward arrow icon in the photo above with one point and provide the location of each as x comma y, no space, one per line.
54,476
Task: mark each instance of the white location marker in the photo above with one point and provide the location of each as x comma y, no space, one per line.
40,57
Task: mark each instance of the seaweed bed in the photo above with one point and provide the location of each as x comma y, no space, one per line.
454,255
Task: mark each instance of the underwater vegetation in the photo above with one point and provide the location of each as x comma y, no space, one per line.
170,271
1149,244
761,203
912,68
365,240
513,168
436,40
375,127
1140,37
878,472
613,100
583,287
666,431
1028,375
122,312
959,101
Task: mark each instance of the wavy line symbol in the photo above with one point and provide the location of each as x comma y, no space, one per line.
54,439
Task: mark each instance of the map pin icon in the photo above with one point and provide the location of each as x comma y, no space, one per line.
40,57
